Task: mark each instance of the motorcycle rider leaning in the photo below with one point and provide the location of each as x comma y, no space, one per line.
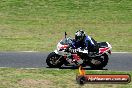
83,41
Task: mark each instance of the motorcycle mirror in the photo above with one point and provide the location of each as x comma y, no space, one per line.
65,34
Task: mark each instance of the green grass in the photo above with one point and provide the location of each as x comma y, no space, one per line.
39,24
50,78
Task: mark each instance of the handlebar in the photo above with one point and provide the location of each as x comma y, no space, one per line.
79,50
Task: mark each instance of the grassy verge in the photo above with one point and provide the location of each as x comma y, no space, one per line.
39,24
50,78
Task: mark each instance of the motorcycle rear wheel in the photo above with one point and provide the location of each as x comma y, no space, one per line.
103,63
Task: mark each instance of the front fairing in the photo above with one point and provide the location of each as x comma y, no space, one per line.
62,46
64,43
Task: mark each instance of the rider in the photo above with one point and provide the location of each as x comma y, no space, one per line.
84,41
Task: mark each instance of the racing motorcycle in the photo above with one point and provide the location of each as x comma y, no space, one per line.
65,55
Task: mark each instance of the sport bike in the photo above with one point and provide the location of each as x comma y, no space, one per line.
65,55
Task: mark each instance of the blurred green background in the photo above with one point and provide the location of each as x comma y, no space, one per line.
37,25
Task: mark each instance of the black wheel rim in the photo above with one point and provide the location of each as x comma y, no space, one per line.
101,60
53,60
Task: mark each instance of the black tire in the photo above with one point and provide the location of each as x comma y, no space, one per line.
52,57
102,65
81,80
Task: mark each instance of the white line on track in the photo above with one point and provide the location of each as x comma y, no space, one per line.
121,52
28,51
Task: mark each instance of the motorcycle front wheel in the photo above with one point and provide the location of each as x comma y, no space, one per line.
54,60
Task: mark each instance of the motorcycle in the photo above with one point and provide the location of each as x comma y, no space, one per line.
63,55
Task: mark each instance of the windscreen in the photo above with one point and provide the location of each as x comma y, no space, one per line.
66,41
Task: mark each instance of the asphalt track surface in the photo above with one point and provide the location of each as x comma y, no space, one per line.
117,61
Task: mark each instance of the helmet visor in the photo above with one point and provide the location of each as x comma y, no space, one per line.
78,38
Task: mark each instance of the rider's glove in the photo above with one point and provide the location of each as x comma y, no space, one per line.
86,48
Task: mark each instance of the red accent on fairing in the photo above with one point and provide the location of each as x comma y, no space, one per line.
102,50
76,57
65,56
63,46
